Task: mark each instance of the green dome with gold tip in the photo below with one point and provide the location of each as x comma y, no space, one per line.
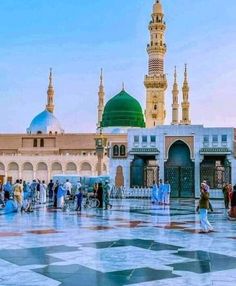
123,111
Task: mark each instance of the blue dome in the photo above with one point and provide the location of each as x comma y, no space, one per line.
45,122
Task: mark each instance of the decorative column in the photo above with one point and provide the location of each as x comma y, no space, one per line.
185,104
101,98
50,93
156,82
175,102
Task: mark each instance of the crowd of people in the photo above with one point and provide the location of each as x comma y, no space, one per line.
161,193
22,196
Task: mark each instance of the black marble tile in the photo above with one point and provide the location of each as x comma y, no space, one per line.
76,275
37,255
141,243
205,262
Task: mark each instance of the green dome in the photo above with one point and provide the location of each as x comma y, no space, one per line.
123,111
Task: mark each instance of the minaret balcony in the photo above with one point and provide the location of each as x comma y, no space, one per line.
155,81
156,49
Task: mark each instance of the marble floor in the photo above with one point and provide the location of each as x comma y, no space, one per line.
134,243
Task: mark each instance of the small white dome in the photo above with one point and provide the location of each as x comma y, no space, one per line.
45,123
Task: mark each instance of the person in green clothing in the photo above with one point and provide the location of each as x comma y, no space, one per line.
106,195
203,209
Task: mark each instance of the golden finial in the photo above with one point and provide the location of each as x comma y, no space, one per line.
123,86
101,76
185,72
175,75
50,78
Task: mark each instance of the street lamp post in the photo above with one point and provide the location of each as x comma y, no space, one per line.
101,143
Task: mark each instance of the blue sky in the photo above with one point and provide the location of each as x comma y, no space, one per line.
78,37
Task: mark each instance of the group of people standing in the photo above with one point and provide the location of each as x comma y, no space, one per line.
102,193
161,193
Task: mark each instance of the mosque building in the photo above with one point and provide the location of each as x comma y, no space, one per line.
134,147
182,153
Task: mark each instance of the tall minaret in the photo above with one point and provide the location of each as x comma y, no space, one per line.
175,104
50,92
185,104
101,98
155,82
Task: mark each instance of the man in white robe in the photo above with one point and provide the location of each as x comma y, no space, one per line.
166,193
43,193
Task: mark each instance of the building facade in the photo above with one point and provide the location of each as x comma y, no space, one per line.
183,155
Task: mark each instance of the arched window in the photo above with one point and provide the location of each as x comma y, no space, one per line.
41,142
122,150
35,143
155,107
116,150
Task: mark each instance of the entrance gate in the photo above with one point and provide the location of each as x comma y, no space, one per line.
179,171
181,180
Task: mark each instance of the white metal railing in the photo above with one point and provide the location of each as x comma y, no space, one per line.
138,193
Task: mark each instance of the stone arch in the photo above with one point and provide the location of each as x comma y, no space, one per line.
119,179
170,140
27,166
177,141
42,171
71,168
86,169
56,169
56,166
2,169
41,166
13,166
27,172
179,170
13,171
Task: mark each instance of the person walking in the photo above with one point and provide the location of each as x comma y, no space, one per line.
100,195
18,194
166,193
225,191
79,197
106,195
203,208
61,193
43,193
55,191
68,187
160,193
232,211
8,190
50,191
33,187
154,197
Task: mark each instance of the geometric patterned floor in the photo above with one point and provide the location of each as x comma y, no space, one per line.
135,243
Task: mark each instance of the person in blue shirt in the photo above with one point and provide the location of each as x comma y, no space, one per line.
79,197
10,207
166,193
61,196
161,193
8,190
154,192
